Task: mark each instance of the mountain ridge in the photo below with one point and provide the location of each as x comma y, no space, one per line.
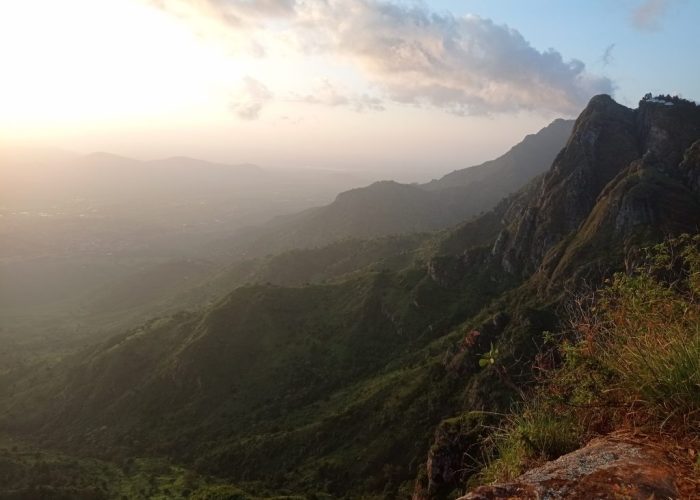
389,208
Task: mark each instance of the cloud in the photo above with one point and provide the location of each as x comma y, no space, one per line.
249,11
463,65
237,13
466,65
648,15
328,94
250,99
607,57
239,23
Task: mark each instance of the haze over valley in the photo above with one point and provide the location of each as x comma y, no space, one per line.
373,249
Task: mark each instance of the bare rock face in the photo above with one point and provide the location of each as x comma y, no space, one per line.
605,468
603,143
636,151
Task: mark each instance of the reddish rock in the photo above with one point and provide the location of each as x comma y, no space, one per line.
604,469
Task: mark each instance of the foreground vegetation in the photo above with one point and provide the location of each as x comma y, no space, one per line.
631,359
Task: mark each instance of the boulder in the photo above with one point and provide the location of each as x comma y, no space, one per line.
605,468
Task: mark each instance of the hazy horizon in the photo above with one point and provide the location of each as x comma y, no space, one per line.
428,87
349,249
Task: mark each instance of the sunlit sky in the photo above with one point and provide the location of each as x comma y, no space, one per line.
410,89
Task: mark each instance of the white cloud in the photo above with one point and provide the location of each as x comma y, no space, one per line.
240,24
239,13
328,94
250,99
467,65
464,65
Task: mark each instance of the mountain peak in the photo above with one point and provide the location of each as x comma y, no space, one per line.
615,158
602,100
530,157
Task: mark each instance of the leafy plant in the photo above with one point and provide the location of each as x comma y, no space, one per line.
489,358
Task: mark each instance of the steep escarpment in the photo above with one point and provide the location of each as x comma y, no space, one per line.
608,194
602,144
619,173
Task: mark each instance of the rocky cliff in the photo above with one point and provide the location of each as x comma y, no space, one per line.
622,170
625,179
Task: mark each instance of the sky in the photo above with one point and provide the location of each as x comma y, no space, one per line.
403,89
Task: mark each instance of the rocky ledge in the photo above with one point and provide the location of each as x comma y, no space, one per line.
605,468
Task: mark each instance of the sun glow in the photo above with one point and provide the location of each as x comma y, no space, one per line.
153,78
82,63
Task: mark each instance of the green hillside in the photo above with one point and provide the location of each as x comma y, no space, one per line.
376,380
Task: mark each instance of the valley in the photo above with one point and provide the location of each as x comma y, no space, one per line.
365,348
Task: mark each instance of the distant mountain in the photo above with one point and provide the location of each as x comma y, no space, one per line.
387,207
515,168
81,229
383,208
104,179
186,163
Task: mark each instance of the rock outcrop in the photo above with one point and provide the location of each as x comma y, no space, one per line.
606,468
622,170
602,144
612,168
